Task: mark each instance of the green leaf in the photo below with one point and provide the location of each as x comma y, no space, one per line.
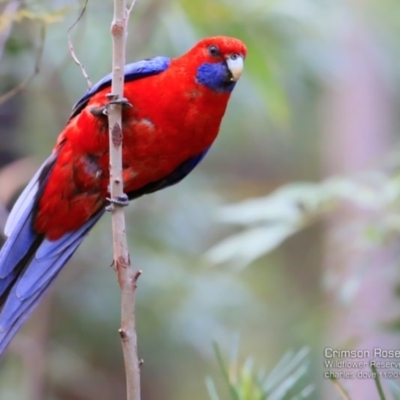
378,383
224,368
212,391
245,247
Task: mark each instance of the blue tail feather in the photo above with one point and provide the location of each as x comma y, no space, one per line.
28,261
17,246
35,277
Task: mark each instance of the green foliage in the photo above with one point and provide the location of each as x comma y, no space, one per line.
244,382
36,14
268,221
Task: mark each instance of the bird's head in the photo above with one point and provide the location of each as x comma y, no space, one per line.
219,62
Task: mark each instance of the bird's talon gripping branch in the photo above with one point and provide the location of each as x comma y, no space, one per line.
120,201
122,101
99,111
103,111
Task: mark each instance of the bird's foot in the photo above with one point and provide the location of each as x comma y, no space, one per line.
103,110
122,101
99,111
120,201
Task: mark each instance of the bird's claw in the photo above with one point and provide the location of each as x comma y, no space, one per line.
103,110
120,201
122,101
99,111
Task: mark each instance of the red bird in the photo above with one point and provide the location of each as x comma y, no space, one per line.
176,109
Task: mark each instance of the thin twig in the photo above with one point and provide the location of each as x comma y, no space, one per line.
127,278
22,85
71,46
131,8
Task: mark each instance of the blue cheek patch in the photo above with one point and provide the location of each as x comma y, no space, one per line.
214,77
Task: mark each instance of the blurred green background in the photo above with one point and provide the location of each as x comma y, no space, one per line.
286,236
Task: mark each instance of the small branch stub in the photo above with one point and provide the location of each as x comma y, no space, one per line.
137,275
124,334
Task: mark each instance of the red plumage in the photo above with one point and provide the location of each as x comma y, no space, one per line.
172,119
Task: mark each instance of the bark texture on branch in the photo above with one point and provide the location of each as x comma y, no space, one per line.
127,278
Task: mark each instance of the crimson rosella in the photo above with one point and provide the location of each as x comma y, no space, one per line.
176,109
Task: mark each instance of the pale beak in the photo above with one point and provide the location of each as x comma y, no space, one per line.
235,66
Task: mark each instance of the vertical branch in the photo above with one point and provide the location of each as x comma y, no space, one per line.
126,276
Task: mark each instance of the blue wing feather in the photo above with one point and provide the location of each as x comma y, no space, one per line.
15,248
44,268
133,71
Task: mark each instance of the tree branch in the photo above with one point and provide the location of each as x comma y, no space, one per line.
127,278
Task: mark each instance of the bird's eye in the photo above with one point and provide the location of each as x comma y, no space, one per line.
213,50
234,56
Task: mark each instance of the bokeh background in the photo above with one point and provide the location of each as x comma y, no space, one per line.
284,239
